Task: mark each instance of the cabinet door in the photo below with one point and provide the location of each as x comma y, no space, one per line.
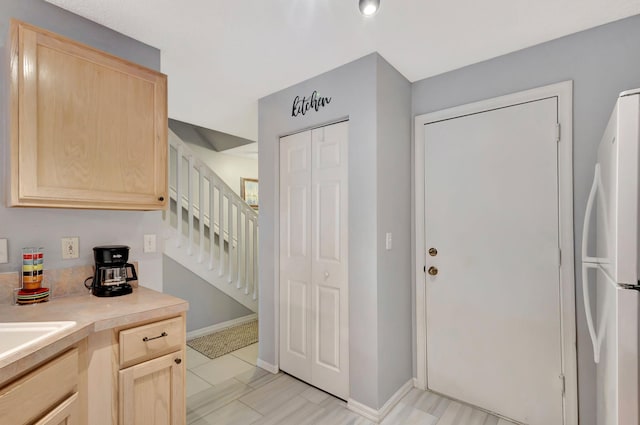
153,392
88,130
65,414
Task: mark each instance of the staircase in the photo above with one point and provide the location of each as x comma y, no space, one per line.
209,229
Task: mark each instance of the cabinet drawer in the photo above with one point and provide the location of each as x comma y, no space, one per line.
65,414
152,340
35,394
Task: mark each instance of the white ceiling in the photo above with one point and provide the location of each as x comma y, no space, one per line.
221,56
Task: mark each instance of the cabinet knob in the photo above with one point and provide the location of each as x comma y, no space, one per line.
178,360
161,198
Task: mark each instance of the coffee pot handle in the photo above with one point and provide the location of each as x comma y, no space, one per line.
134,276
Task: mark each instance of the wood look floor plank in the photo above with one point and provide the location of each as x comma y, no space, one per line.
429,402
233,413
464,415
257,377
478,417
405,413
440,407
450,415
314,395
195,384
341,416
258,397
271,396
296,411
207,401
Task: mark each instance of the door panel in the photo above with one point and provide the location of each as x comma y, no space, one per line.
296,336
295,255
329,252
328,241
297,230
493,309
328,329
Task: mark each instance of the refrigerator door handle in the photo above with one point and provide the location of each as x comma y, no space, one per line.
596,191
595,338
590,263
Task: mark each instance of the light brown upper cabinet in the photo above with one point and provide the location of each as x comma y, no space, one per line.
88,129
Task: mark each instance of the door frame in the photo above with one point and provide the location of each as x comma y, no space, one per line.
564,92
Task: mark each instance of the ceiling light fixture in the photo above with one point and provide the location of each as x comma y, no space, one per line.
369,7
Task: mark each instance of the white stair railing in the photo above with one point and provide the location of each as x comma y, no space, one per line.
224,251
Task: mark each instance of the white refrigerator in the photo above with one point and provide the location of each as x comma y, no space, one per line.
610,265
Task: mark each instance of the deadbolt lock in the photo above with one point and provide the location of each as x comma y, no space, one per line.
433,252
432,271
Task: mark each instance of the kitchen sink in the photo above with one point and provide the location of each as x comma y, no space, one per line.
16,336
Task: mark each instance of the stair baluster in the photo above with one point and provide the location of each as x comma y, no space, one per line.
224,215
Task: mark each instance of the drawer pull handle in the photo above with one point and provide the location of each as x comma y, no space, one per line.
147,339
178,361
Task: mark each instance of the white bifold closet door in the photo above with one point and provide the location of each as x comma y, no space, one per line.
314,308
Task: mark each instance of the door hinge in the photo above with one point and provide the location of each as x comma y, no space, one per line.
557,132
562,379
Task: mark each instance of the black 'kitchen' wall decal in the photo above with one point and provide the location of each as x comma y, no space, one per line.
315,102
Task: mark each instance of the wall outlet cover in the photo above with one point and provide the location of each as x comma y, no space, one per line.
69,248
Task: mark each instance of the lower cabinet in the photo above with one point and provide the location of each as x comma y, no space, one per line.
152,392
136,373
151,377
47,396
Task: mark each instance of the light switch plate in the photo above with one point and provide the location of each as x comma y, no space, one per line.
389,241
4,253
69,248
149,243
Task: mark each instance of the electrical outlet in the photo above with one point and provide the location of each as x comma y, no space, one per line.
70,248
149,243
4,253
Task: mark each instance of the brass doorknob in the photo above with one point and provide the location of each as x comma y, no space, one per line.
432,271
433,252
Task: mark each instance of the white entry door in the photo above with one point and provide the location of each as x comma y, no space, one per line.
314,327
493,303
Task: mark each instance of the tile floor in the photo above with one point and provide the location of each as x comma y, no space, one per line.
231,390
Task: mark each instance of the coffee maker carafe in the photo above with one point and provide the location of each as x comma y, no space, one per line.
111,276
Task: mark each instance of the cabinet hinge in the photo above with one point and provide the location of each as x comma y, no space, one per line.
563,383
557,132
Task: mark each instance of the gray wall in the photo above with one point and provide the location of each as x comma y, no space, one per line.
394,216
354,89
44,227
602,62
207,305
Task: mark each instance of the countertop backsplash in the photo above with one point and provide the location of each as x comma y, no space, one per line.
61,282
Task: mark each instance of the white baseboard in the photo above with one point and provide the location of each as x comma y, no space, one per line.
363,410
220,326
415,384
378,415
268,366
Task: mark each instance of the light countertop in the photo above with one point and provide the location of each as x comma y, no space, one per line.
91,314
